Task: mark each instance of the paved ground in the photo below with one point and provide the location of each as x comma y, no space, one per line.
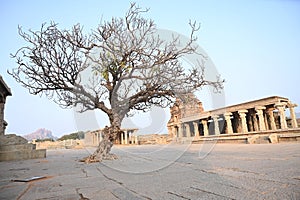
222,171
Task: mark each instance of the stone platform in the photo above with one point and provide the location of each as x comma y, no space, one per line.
197,171
261,137
14,147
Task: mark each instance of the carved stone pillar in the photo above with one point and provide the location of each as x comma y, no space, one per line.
228,122
266,121
136,141
126,139
205,127
170,131
293,116
1,118
180,132
261,120
173,131
281,109
271,118
216,123
255,123
250,121
242,114
196,129
100,136
122,138
130,138
187,130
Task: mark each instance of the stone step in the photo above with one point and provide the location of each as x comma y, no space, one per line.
259,139
22,154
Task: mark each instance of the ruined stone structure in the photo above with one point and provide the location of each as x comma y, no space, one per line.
4,92
129,136
13,147
267,114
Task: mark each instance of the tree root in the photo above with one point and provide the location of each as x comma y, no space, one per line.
103,150
94,158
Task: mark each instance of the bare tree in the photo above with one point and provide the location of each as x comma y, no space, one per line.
131,68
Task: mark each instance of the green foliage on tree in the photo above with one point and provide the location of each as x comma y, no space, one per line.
78,135
44,140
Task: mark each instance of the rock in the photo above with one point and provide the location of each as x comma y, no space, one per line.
13,147
258,139
12,139
252,139
273,138
41,133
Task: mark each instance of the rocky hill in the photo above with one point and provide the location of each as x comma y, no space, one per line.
41,133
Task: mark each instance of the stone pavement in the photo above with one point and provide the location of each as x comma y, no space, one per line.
198,171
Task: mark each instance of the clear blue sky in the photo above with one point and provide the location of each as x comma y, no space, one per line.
255,46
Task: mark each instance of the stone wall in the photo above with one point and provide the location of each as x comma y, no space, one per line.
65,144
153,139
4,92
13,147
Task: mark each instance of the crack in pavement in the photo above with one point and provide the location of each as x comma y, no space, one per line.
205,191
85,172
229,185
122,185
239,170
250,189
114,195
178,195
246,172
81,195
25,191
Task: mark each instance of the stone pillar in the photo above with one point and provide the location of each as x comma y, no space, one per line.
293,116
187,130
255,124
196,129
173,131
266,121
126,139
1,118
170,132
129,137
250,121
97,137
216,123
180,131
205,128
281,109
261,120
271,118
136,141
228,122
101,136
242,114
122,138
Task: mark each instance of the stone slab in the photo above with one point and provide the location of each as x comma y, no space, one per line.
197,171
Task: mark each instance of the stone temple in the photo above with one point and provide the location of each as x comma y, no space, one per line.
244,122
4,92
128,136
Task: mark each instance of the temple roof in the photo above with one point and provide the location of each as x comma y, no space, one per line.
4,88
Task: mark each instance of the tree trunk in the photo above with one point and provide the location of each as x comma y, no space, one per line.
103,150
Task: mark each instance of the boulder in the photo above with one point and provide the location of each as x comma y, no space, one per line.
273,138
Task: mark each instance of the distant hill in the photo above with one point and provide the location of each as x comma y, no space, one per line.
41,133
